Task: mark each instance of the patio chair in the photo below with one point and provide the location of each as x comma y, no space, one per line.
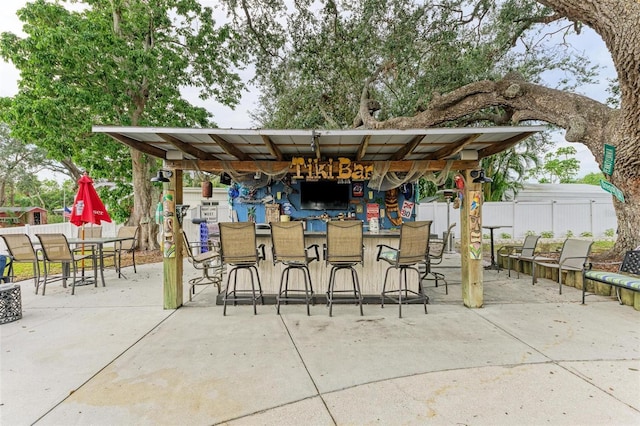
90,232
343,251
526,251
208,262
238,249
56,249
434,256
21,250
414,243
288,247
573,257
123,247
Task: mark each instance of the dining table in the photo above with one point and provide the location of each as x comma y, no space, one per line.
99,243
493,264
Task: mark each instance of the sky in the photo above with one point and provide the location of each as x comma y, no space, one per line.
589,43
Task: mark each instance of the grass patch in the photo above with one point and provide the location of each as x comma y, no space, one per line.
24,271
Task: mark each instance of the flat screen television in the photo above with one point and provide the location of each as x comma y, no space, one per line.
324,195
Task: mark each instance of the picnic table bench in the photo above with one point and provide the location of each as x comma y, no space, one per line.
627,277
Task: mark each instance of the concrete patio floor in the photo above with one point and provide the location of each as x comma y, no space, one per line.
113,356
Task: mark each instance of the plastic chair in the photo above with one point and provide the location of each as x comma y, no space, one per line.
414,243
208,262
123,247
434,256
573,257
343,251
21,250
524,252
56,249
288,248
238,249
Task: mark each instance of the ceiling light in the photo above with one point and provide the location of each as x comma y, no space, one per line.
162,176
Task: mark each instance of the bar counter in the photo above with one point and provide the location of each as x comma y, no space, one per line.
371,274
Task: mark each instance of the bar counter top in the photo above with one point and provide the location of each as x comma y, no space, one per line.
386,233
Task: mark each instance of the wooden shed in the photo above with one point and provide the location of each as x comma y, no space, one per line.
20,216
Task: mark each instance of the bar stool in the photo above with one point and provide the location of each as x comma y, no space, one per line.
435,257
288,248
238,249
343,251
414,243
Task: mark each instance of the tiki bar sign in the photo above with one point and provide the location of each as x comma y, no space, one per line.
344,168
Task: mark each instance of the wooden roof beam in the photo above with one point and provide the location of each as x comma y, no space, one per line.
452,148
140,146
187,148
315,144
504,145
229,148
362,149
216,166
273,148
407,148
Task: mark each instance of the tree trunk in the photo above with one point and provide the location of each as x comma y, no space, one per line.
585,121
143,209
628,214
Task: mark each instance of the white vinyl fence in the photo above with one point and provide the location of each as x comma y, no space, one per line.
67,228
519,218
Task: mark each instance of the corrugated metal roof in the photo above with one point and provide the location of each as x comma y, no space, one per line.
282,145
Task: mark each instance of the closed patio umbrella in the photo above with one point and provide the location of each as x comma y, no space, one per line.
87,206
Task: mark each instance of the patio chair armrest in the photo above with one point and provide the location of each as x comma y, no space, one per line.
261,252
316,253
589,265
507,250
380,247
541,258
574,257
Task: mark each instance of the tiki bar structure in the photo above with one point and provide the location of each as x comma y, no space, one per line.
316,176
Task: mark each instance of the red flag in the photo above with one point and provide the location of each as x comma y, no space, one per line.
87,207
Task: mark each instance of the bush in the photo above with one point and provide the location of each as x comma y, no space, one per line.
609,233
546,234
529,233
505,236
586,234
569,233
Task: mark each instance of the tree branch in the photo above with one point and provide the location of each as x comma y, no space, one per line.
584,119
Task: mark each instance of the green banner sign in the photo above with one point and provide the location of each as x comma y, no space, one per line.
609,159
612,189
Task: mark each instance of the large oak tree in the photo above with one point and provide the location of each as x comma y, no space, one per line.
410,64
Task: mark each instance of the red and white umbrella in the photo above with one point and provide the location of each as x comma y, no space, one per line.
87,206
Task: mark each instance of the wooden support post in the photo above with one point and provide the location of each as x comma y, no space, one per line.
172,242
471,243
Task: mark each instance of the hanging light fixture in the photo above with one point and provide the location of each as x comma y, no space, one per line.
162,176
